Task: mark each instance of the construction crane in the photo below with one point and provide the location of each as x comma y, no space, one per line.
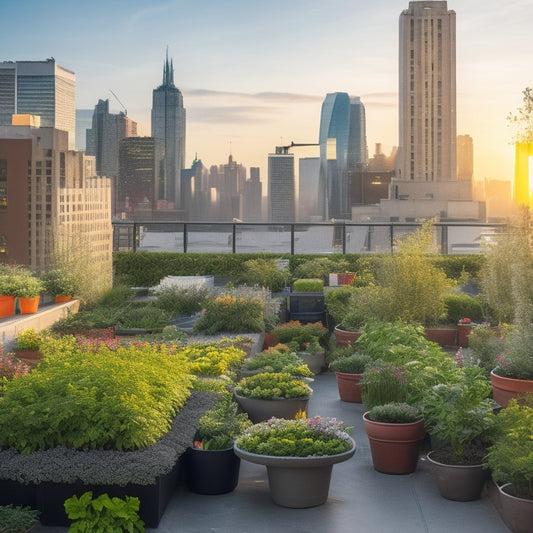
118,100
284,150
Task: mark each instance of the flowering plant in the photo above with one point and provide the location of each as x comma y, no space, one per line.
59,283
465,320
11,367
516,362
272,386
302,437
29,340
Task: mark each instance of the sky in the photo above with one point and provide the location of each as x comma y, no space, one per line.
254,74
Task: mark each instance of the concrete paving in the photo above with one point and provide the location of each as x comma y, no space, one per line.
360,499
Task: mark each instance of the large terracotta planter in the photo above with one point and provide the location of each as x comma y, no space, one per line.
349,388
345,338
211,471
62,299
7,306
298,482
29,306
517,513
30,357
503,389
261,410
461,483
463,330
394,447
442,336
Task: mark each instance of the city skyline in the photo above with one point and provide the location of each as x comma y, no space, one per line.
254,76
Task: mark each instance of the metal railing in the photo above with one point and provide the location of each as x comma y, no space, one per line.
295,238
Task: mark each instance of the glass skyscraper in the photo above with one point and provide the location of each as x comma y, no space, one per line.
343,150
40,88
168,125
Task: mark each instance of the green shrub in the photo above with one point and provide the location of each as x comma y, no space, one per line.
337,301
320,267
395,413
383,384
301,337
275,360
213,359
143,317
462,305
272,386
17,519
486,344
182,300
354,364
103,514
308,285
115,297
128,398
264,273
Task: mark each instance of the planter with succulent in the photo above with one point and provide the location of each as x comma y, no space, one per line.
276,359
60,284
348,371
459,418
395,431
272,394
299,456
510,458
211,466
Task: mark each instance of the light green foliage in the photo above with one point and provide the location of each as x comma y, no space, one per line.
353,364
59,282
320,267
213,359
278,361
395,413
123,399
17,519
308,285
310,337
486,344
264,273
182,300
143,316
103,514
462,305
510,457
272,386
220,426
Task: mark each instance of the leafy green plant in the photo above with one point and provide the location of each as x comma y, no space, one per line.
510,457
118,296
272,386
353,364
486,344
461,305
221,425
29,339
213,358
182,300
59,282
278,360
27,286
517,361
296,438
383,384
103,514
395,413
17,519
143,317
337,301
320,267
308,285
301,337
264,273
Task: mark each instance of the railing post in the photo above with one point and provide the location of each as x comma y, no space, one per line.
392,238
134,245
292,239
344,238
233,238
444,240
185,237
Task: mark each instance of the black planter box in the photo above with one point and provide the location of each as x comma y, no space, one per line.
306,306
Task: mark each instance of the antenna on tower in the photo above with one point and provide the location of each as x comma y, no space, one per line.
125,110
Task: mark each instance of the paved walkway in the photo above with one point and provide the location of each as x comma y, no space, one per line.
360,499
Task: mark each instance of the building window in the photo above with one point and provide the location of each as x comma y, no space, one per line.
3,169
62,170
3,197
3,244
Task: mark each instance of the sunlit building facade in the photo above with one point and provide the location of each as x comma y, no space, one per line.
281,202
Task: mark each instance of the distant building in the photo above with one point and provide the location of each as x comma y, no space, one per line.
195,193
281,200
168,125
252,197
370,186
47,193
309,198
465,158
41,88
342,139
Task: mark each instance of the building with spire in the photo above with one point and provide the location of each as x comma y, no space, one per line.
168,125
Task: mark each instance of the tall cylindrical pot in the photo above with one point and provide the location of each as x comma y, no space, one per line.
349,388
29,306
503,389
7,306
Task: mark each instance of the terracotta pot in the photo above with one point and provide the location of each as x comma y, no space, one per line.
461,483
261,410
7,306
515,512
349,388
394,447
345,338
463,330
61,299
298,482
503,389
30,357
28,306
442,336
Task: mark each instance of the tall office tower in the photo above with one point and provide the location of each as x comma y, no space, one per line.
308,196
281,186
252,197
428,141
104,136
40,88
49,197
343,150
465,158
168,125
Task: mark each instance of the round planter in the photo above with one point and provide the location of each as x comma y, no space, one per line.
7,306
298,482
394,447
211,471
349,388
345,338
29,306
461,483
261,410
315,362
515,512
62,299
503,389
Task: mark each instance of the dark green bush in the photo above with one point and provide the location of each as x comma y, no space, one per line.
395,413
143,317
354,364
17,519
462,305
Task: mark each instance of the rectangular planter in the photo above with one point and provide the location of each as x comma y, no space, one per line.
306,306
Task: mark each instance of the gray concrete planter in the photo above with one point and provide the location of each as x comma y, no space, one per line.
298,482
261,410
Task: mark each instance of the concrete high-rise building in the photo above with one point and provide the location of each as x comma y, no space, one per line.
427,88
465,158
41,88
309,199
281,200
50,196
252,197
168,125
343,150
102,139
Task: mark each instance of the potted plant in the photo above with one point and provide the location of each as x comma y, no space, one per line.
272,394
510,459
276,359
27,288
7,291
28,346
60,284
395,431
383,383
460,417
299,455
211,466
348,371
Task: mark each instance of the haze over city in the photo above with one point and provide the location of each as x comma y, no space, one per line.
254,74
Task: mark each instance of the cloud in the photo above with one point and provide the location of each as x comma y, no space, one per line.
231,114
264,96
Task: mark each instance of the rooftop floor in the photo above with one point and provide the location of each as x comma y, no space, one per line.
360,499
